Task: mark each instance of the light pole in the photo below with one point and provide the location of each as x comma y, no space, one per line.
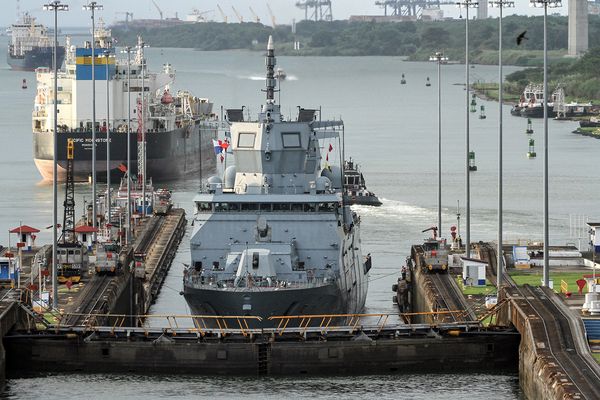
439,58
467,4
142,150
107,59
93,6
500,261
55,6
128,51
545,4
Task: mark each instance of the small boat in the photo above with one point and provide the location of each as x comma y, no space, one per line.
280,74
428,83
355,189
403,81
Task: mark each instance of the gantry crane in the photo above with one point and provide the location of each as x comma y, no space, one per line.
256,18
223,15
321,9
237,14
272,16
128,15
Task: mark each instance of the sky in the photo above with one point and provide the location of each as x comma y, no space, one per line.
285,10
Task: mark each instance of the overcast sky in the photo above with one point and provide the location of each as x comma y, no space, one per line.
284,10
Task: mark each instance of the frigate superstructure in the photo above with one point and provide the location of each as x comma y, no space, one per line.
272,236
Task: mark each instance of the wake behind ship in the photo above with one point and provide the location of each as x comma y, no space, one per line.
179,127
273,236
30,47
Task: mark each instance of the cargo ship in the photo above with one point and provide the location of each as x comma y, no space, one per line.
178,127
272,235
30,47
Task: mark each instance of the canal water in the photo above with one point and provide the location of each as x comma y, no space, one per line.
391,131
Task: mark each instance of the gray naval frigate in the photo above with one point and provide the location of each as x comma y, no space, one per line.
272,236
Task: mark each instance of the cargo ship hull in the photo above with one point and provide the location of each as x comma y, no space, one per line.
170,154
37,57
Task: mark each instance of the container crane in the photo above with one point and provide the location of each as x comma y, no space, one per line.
237,14
223,15
158,8
272,16
256,18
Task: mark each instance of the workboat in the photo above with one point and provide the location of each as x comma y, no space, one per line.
355,188
174,130
30,47
272,236
531,104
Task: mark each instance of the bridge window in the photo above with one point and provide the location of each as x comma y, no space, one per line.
290,139
326,207
281,207
246,139
265,206
310,207
204,207
249,206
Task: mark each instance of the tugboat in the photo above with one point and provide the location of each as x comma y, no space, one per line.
355,189
272,236
530,104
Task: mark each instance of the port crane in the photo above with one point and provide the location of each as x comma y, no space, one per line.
237,14
158,8
410,7
256,18
128,16
223,15
321,9
272,16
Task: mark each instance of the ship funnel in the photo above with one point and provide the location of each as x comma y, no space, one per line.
270,62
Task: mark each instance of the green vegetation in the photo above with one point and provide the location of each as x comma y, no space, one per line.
597,357
416,39
476,290
535,278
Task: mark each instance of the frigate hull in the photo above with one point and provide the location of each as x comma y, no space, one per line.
325,299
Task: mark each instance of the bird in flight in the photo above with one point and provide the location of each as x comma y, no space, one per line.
521,37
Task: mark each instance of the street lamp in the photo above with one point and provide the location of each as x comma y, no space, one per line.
545,4
439,58
467,4
127,50
55,6
500,261
93,6
107,59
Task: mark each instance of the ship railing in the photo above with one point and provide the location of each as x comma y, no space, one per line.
201,325
311,282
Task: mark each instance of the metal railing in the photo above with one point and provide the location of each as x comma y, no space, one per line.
325,323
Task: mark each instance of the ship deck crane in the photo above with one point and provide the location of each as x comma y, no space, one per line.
272,16
256,17
158,8
223,15
237,14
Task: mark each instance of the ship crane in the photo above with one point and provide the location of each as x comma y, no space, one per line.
272,16
223,15
237,14
256,18
158,8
